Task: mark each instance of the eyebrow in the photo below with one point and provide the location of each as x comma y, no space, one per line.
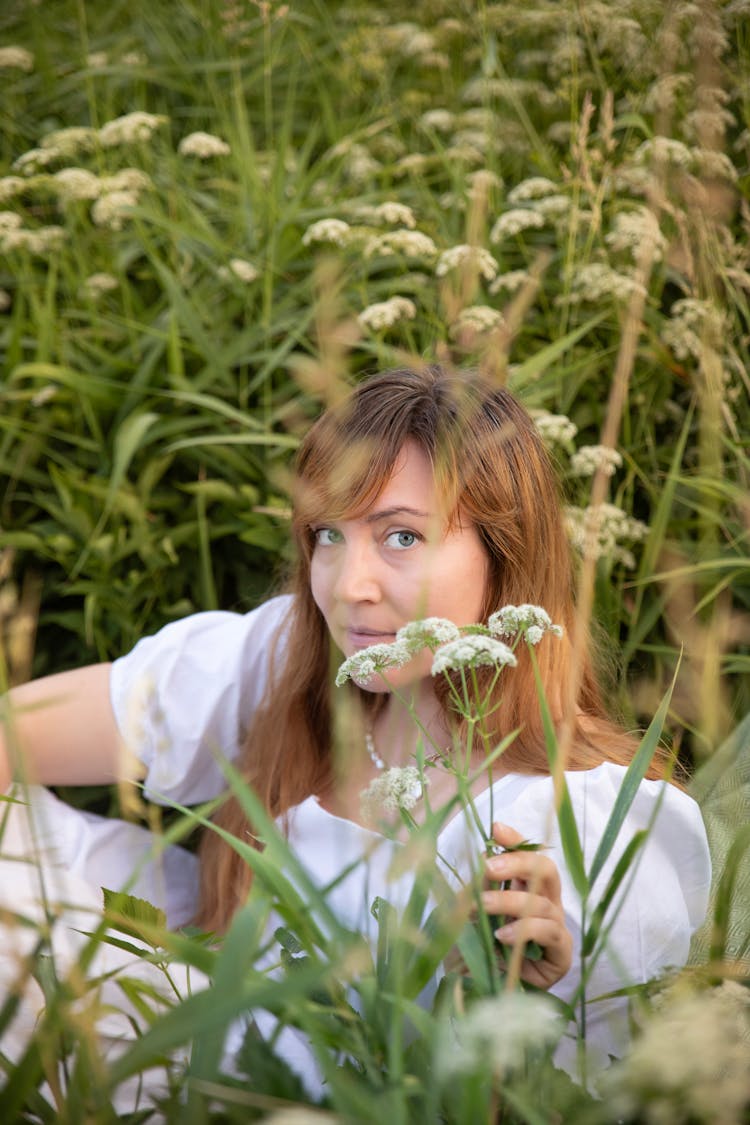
388,513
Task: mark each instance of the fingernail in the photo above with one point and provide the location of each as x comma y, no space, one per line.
505,933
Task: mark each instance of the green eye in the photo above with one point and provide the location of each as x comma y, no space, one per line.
327,536
402,540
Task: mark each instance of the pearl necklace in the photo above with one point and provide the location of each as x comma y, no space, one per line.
381,764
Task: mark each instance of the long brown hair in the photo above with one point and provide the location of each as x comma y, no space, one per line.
491,468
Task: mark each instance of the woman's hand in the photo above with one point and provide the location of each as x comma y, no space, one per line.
532,907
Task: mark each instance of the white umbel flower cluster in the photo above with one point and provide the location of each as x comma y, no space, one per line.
634,230
408,243
391,790
13,57
590,459
690,1062
327,230
598,280
114,209
203,145
239,269
77,183
603,531
530,621
515,222
368,662
391,212
429,632
497,1034
384,314
471,651
476,319
97,284
131,128
554,429
465,256
535,187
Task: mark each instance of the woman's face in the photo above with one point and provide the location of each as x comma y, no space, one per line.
397,562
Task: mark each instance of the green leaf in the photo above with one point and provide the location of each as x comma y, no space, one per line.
634,775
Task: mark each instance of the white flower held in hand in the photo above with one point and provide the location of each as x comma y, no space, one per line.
470,652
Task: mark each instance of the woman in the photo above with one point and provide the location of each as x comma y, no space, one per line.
426,494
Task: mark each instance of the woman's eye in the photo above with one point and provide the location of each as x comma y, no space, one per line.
326,536
402,540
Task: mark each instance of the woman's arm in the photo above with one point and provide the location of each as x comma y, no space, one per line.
61,730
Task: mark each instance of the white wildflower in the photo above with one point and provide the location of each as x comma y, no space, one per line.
596,280
664,150
391,790
10,187
134,58
531,621
476,319
16,58
514,222
390,212
412,162
99,283
601,532
632,230
327,230
552,206
441,120
5,300
692,326
554,429
463,257
497,1034
35,160
470,651
714,165
533,188
41,241
69,141
360,164
483,181
97,59
409,243
689,1064
77,183
130,128
114,209
509,282
239,269
368,662
427,633
384,314
203,145
10,220
590,459
127,179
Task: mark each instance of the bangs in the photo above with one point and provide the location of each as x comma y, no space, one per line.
340,479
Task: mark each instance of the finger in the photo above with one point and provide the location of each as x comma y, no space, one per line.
553,939
505,836
520,904
529,867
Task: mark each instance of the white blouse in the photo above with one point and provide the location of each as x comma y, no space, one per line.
184,697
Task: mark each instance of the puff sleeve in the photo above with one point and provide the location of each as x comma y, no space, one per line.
183,698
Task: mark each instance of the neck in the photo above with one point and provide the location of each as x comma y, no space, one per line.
403,724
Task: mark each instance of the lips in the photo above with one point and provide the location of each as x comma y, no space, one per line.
359,637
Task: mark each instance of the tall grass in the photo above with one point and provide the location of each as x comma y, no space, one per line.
594,161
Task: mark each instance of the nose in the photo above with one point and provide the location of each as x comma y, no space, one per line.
357,574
